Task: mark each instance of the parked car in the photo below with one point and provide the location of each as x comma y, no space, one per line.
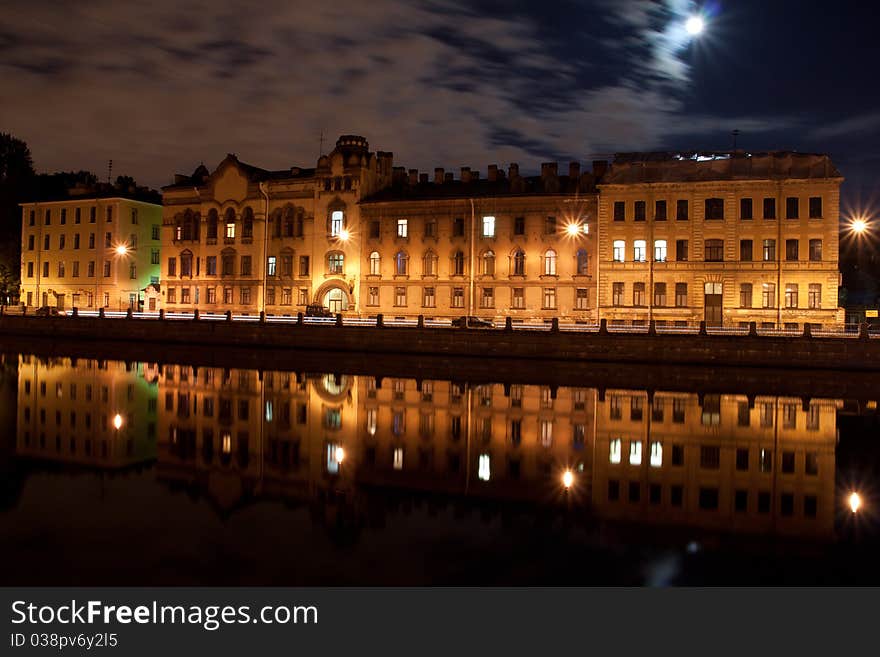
47,311
317,310
472,322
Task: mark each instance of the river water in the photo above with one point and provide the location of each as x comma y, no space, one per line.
141,473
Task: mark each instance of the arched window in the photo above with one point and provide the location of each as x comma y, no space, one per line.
288,222
519,263
550,263
247,229
213,220
335,262
230,224
401,264
336,219
583,262
186,262
375,264
489,263
429,264
458,264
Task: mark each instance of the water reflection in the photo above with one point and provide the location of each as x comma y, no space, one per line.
722,463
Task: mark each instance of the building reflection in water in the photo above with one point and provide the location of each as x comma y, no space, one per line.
762,465
100,414
752,465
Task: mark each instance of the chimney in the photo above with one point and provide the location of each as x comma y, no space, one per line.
574,171
513,171
465,174
493,172
600,167
549,169
413,177
438,176
475,175
398,175
448,177
423,178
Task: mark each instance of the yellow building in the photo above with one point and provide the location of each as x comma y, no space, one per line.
88,252
725,238
356,235
87,412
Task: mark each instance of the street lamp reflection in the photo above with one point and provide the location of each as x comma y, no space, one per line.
568,479
117,421
855,502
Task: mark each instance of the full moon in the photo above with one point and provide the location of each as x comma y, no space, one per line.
694,25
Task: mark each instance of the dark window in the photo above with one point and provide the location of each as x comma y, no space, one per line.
710,457
660,211
639,211
655,493
635,491
374,229
676,495
714,250
786,504
792,207
741,500
681,295
815,250
810,506
619,210
681,210
742,456
791,249
745,250
714,208
458,227
519,226
745,208
745,301
613,490
708,499
763,502
681,250
815,207
769,208
788,462
811,463
678,455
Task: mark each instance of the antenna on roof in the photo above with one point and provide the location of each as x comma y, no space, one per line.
321,145
735,134
109,170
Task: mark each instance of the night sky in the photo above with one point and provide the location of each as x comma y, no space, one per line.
161,86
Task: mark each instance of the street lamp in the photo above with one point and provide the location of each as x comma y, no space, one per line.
858,226
121,250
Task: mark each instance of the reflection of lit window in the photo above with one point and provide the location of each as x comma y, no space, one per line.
398,458
614,451
656,454
371,421
546,433
226,442
484,469
334,384
332,462
635,452
269,411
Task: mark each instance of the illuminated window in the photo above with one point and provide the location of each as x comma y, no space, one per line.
375,264
660,250
226,442
550,263
635,452
269,410
270,267
337,223
335,263
372,421
656,454
614,451
333,452
639,247
488,226
230,231
484,469
402,230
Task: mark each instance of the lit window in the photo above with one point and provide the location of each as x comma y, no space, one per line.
488,226
614,451
402,228
269,411
619,250
656,454
550,263
660,250
270,269
635,452
639,250
230,231
336,223
398,459
375,264
484,469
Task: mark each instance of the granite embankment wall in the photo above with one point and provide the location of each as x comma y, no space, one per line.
812,353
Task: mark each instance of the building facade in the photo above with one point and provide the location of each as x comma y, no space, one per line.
91,252
725,238
356,235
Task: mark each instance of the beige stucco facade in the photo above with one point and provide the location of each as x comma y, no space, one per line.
91,253
770,256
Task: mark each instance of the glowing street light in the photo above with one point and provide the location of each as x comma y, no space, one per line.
121,250
568,479
694,25
855,502
858,225
117,421
344,235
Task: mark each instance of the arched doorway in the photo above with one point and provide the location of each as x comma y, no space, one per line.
336,300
